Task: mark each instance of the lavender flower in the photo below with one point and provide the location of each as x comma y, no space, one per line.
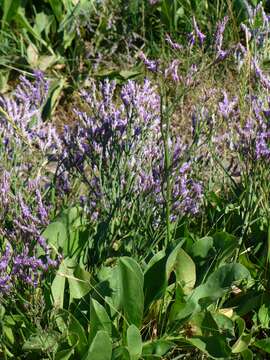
129,126
226,107
172,71
173,45
219,34
264,80
21,225
150,64
201,37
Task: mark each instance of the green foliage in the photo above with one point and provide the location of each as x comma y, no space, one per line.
128,288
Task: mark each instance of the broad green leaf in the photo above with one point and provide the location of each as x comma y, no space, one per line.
120,353
157,347
214,346
108,289
99,320
42,341
79,283
46,61
58,287
263,344
8,333
183,266
32,55
155,281
225,324
134,342
202,247
215,287
247,354
23,21
75,332
243,340
264,316
56,234
131,290
129,74
225,245
64,354
100,348
42,23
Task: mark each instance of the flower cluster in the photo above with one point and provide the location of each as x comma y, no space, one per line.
26,144
21,123
117,149
26,256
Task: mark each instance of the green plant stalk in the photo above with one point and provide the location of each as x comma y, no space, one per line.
165,139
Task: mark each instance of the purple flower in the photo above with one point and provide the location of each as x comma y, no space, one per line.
264,80
227,107
219,34
201,37
172,44
150,64
172,70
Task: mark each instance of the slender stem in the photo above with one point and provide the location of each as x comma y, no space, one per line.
165,132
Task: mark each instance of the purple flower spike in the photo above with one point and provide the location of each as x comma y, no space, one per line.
173,45
150,64
201,37
219,34
264,80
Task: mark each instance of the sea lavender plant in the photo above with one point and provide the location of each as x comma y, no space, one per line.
27,145
26,256
21,124
116,149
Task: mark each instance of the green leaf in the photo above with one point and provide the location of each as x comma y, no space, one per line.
247,354
10,8
215,287
202,247
158,347
225,245
64,231
42,341
8,333
243,340
32,55
99,320
183,266
264,316
42,23
134,342
23,21
56,234
263,344
101,347
64,354
214,346
56,6
58,287
108,289
79,283
120,353
53,99
155,281
75,332
131,289
129,74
